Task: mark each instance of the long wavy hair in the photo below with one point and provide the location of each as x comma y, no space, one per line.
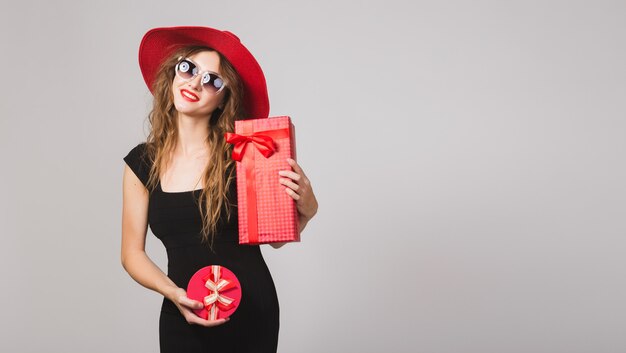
163,137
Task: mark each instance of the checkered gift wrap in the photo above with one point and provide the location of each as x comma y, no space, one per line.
266,212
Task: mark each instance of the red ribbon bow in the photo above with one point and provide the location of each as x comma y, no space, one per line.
216,300
263,142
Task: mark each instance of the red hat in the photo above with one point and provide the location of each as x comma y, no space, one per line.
159,43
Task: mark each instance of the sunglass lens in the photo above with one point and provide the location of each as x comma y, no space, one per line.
186,69
212,82
218,83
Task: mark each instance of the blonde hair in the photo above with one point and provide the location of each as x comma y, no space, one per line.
163,137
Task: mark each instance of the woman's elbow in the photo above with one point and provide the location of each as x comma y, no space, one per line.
278,245
126,257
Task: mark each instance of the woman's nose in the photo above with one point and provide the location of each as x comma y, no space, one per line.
195,82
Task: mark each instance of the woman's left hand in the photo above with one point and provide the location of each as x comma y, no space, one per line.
299,188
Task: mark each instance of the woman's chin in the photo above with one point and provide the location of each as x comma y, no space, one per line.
187,108
192,112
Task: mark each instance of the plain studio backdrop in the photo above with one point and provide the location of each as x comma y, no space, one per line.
467,156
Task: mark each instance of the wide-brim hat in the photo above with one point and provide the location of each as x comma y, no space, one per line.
158,43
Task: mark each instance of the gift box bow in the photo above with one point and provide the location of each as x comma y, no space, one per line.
216,285
262,140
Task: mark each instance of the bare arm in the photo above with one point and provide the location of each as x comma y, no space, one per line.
135,260
134,227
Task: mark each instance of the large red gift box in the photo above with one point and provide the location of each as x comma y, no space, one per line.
266,212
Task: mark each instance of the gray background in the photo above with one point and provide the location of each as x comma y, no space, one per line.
467,156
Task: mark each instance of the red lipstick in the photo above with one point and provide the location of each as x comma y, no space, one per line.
189,96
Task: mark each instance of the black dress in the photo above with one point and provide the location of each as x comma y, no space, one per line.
174,218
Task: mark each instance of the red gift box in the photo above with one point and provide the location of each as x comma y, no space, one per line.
266,212
218,289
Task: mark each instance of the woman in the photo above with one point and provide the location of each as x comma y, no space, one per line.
181,182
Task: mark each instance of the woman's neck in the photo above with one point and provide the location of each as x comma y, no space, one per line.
192,135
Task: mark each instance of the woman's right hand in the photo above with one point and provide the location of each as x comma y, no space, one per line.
186,306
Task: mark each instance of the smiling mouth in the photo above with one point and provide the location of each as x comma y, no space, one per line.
189,96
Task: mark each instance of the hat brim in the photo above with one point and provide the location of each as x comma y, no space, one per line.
158,43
